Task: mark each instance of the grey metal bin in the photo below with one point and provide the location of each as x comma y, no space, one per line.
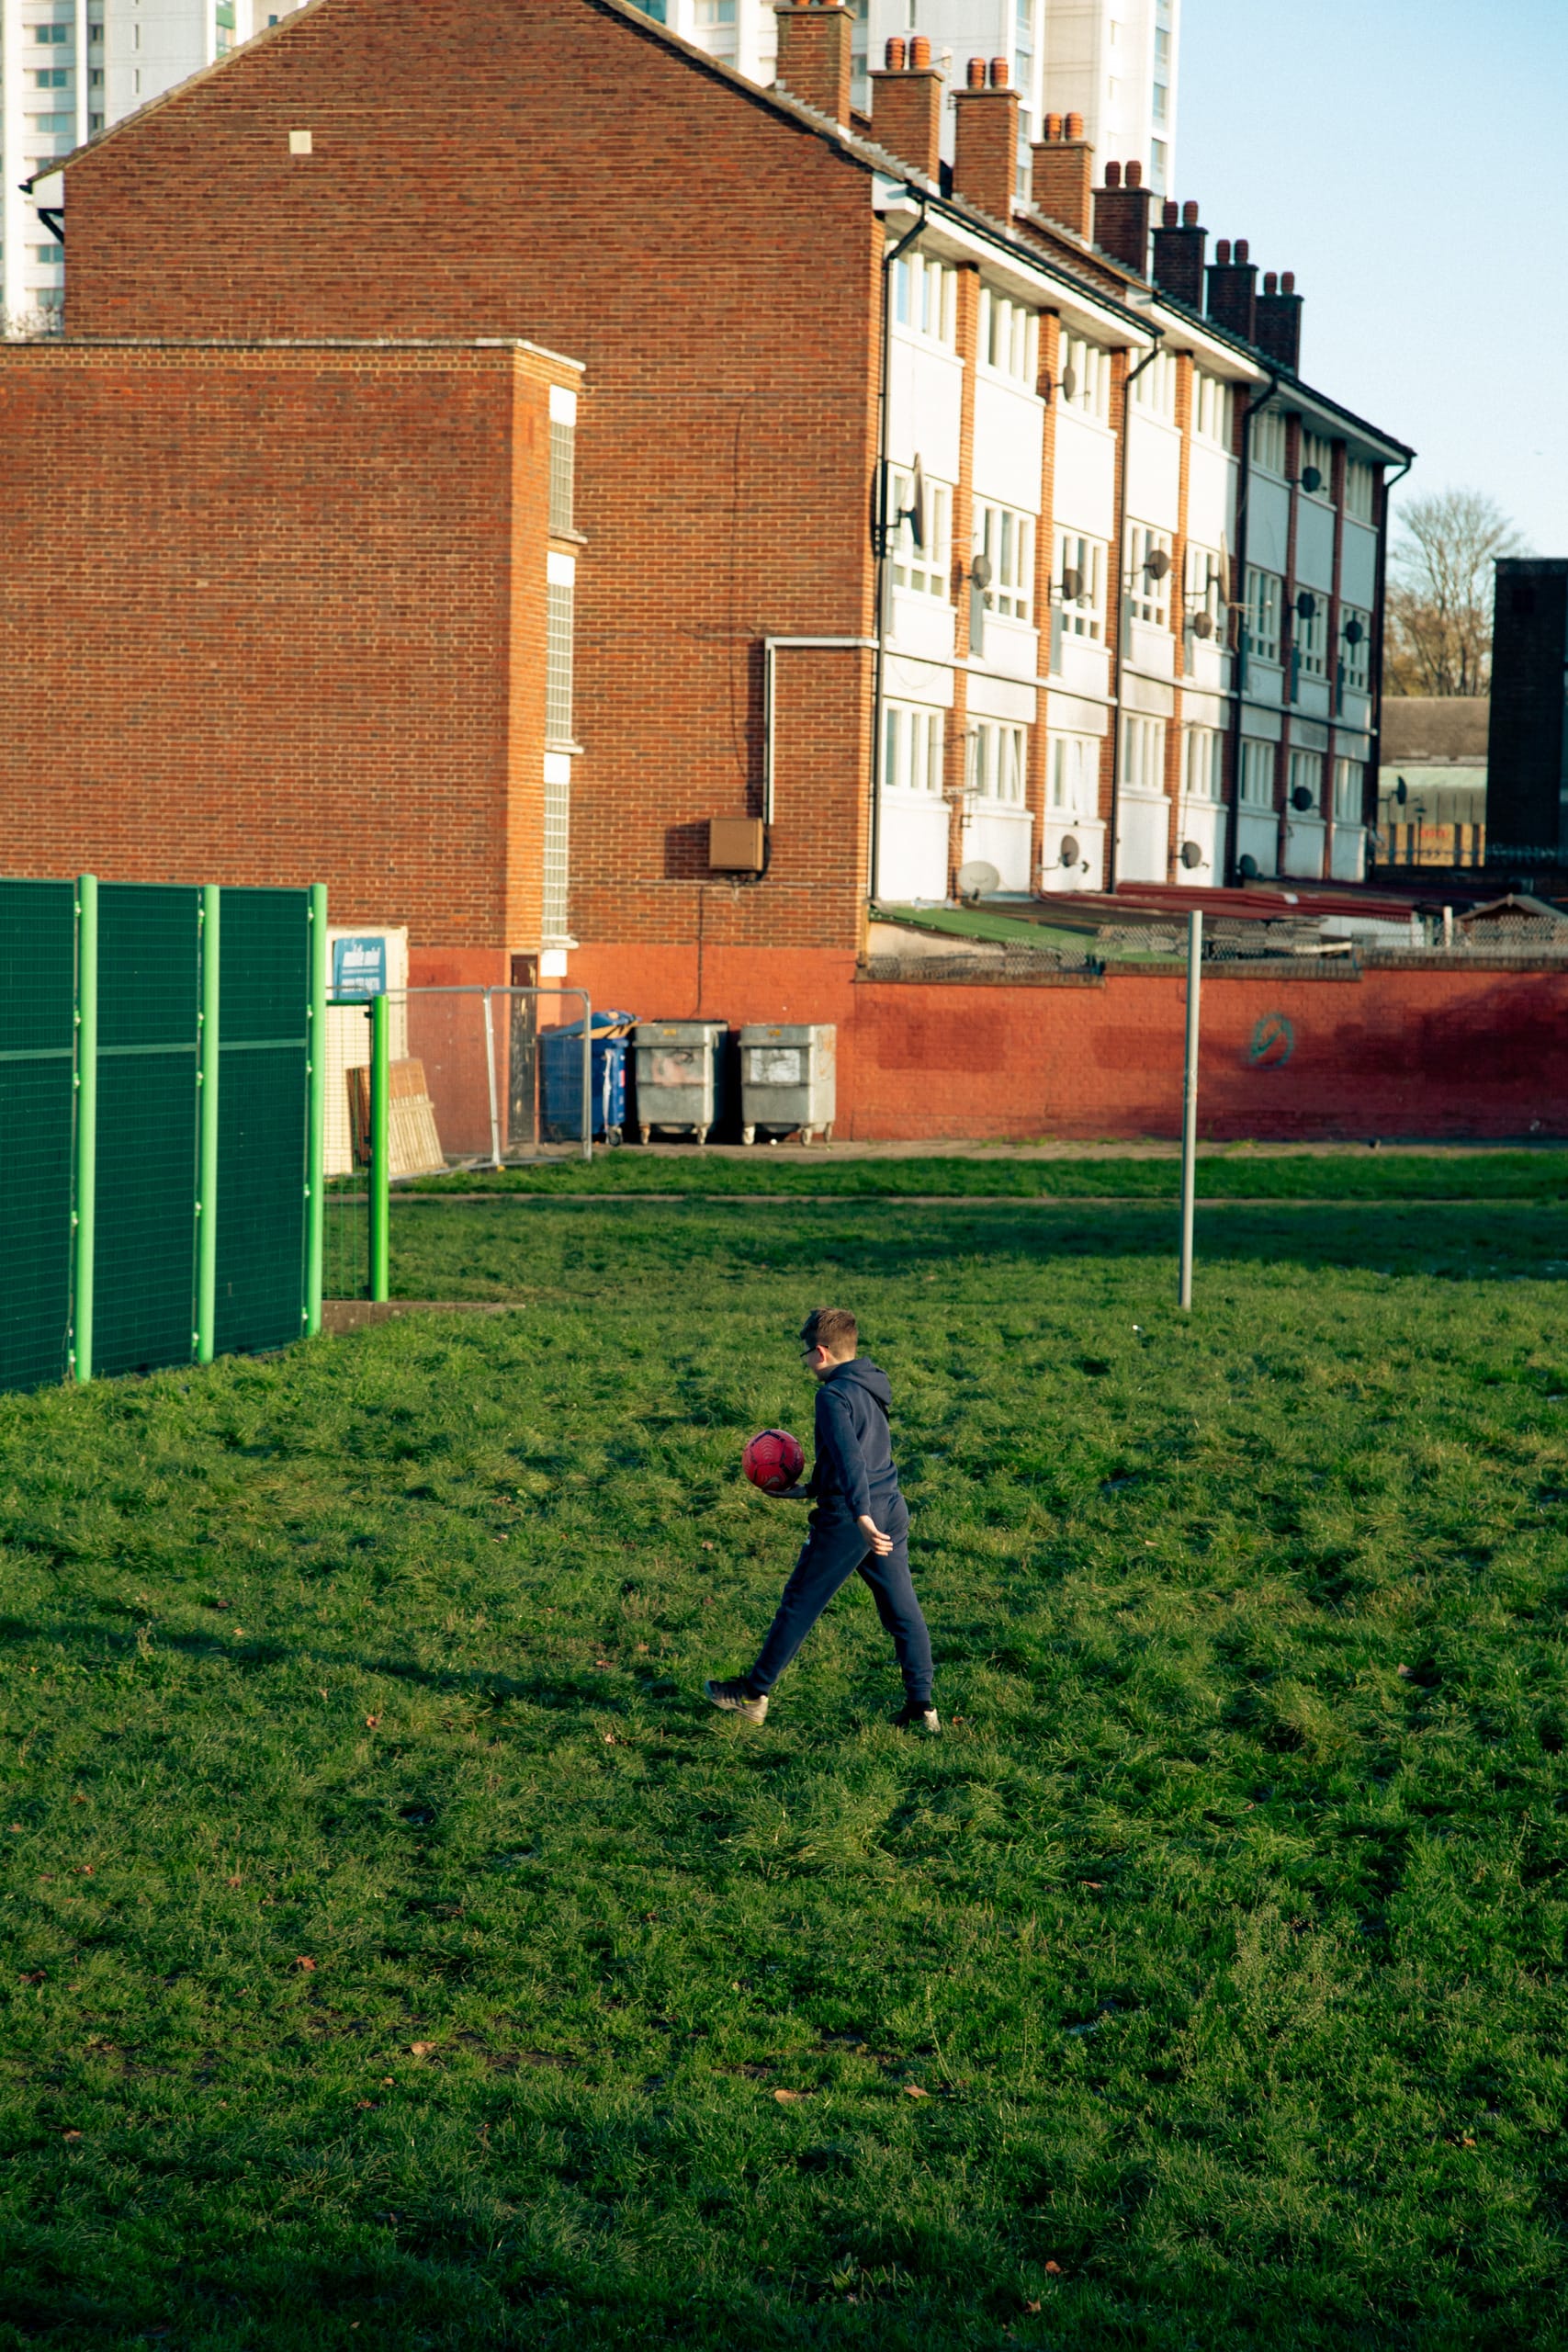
787,1078
680,1075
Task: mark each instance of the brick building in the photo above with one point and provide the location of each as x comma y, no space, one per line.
1117,616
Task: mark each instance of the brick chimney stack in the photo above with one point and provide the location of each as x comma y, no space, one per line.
1180,248
1122,217
984,157
905,105
1233,290
1278,327
1064,174
816,46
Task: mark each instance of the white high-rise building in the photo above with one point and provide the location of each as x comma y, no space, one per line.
67,69
1112,60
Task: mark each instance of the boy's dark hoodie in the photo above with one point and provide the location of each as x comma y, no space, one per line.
853,1472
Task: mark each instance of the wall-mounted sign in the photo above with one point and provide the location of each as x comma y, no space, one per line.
359,968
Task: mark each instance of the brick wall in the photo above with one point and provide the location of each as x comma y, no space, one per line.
563,176
278,618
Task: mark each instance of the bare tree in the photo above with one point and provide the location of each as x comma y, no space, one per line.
1439,598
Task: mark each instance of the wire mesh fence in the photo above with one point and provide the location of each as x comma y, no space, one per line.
38,1081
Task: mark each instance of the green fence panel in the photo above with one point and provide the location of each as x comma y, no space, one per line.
263,1106
38,952
149,996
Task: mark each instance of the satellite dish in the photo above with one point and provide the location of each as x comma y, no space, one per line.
1247,867
1354,632
1157,564
1203,625
1070,849
916,509
977,880
1069,383
1072,585
1306,605
1191,855
1300,798
1401,792
980,570
1311,479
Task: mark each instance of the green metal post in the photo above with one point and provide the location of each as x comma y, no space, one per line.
380,1186
206,1081
86,1120
316,1111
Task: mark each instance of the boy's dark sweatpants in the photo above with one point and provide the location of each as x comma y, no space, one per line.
834,1551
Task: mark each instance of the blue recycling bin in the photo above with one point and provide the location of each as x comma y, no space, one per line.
560,1079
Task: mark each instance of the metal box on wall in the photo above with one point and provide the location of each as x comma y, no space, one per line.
680,1075
788,1078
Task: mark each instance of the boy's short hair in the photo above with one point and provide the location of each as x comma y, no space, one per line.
833,1328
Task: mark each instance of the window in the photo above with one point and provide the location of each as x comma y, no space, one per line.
556,846
1349,791
560,600
50,257
1212,411
52,36
563,460
1306,776
95,122
1361,490
1153,390
52,122
96,27
1162,102
1264,591
1202,754
1086,377
912,748
715,29
1157,164
95,77
1162,51
1268,441
1355,648
997,754
1023,35
1074,773
654,8
1081,582
1142,753
1010,338
1204,597
1257,775
922,569
1309,633
56,78
1148,574
1007,539
1318,456
925,297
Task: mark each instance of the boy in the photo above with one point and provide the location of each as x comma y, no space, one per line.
860,1522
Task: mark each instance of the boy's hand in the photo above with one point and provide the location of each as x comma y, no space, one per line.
875,1539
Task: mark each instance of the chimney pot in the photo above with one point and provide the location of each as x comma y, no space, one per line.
920,54
1179,246
1113,176
1052,127
1288,283
999,73
893,56
1242,251
814,63
1170,214
1122,216
1073,127
905,105
977,74
1190,216
1134,175
1222,252
1270,282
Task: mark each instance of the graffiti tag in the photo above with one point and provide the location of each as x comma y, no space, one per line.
1273,1042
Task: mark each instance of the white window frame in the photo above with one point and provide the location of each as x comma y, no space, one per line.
1202,763
1148,599
997,768
925,298
1205,575
1357,659
1319,452
1269,445
1361,490
1009,343
1074,773
1306,768
913,740
1214,409
1264,595
1154,386
1142,754
1309,638
1085,617
1259,762
1349,792
922,572
1005,535
1089,364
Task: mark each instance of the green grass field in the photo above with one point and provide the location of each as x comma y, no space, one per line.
398,1948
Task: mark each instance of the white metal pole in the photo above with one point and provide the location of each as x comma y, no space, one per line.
1189,1101
587,1080
489,1073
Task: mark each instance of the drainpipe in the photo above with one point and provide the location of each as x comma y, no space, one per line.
1238,654
1375,764
879,543
1124,630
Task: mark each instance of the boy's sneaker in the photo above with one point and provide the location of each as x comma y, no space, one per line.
912,1718
736,1700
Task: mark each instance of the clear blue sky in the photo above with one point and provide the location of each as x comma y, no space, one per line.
1406,159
